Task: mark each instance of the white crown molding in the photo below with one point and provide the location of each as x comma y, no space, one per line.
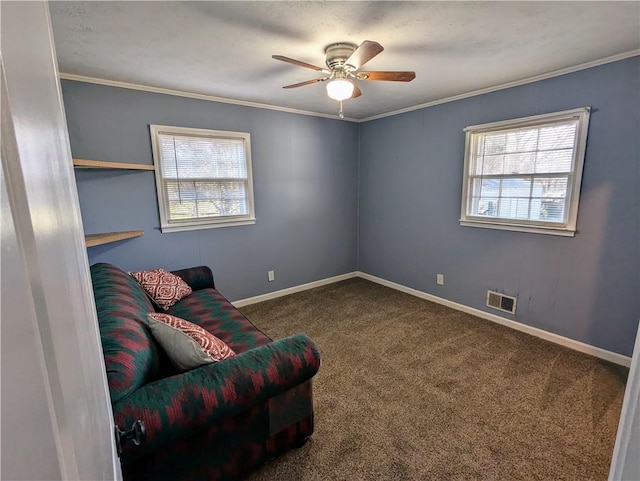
516,83
473,93
534,331
191,95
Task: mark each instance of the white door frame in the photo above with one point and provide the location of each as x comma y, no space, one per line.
625,464
47,271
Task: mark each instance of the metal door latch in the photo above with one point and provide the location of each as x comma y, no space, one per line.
135,435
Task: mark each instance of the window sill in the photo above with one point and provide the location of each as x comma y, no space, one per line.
563,232
194,226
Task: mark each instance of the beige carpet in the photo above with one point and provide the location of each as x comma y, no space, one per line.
411,390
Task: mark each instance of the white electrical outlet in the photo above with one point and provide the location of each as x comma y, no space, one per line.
271,275
440,279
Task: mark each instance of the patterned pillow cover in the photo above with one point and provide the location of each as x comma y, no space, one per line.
187,345
164,287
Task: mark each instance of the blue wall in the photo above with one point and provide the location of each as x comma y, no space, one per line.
586,288
384,197
305,178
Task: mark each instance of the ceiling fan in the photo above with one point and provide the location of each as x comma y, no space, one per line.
344,61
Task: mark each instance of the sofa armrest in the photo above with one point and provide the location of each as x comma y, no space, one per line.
180,406
200,277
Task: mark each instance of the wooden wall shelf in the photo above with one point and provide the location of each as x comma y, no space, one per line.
103,164
92,240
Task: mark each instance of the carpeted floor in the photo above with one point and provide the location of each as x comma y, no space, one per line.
411,390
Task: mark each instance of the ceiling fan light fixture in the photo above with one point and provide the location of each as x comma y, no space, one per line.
344,61
339,89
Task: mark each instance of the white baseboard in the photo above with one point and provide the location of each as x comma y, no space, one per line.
292,290
534,331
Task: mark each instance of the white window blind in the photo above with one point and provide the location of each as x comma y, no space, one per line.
203,177
525,174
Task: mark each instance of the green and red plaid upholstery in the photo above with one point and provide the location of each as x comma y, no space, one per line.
213,422
180,406
130,353
232,459
197,277
210,310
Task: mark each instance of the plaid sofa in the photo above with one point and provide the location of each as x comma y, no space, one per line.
216,422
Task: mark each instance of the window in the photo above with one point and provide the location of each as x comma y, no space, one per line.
525,174
203,178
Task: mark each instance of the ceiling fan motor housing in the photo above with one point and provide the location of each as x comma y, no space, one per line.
337,55
344,61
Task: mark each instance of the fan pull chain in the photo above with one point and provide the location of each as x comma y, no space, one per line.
340,112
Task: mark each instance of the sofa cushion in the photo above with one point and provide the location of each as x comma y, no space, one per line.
130,352
187,345
212,311
164,287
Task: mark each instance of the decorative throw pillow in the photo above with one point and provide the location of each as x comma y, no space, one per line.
164,287
187,345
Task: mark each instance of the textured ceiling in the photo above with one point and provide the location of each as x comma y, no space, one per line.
224,49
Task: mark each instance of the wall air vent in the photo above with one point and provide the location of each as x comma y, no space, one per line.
501,302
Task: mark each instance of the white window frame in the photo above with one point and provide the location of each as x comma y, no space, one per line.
166,225
567,228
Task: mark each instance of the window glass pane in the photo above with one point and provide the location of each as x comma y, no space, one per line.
550,187
520,163
485,206
493,164
179,191
489,187
184,210
522,208
495,143
476,154
551,161
513,208
557,137
221,198
193,200
522,140
202,157
553,210
516,187
548,210
530,198
472,205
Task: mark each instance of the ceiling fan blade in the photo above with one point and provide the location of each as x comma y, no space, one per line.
365,52
308,82
299,63
390,76
356,90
